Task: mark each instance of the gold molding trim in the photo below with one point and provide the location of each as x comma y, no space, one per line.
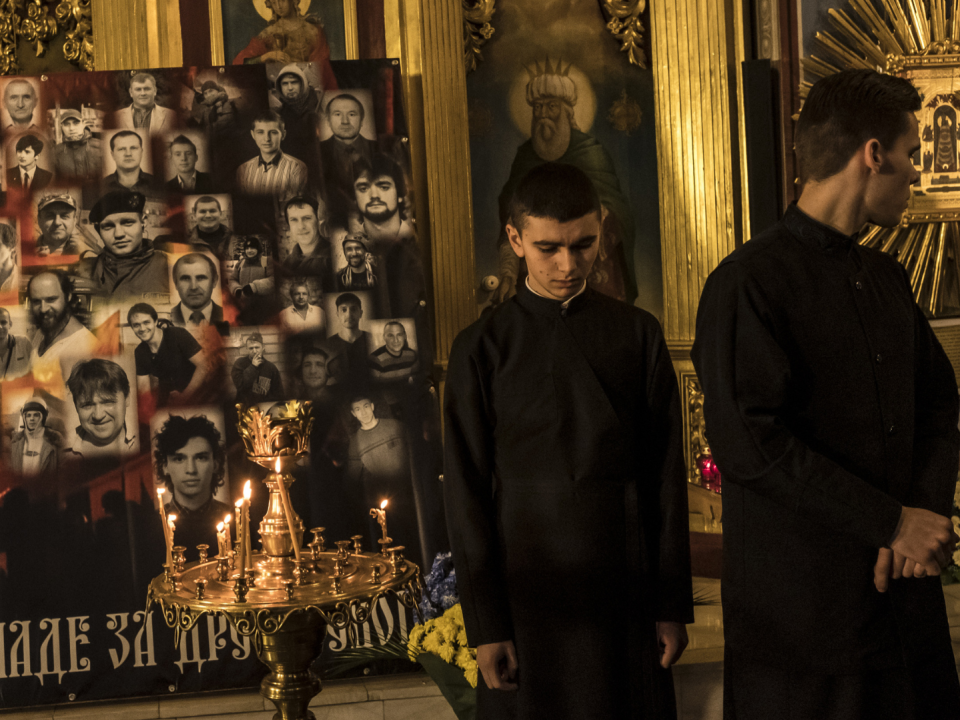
623,22
697,150
391,27
38,22
351,32
477,29
435,92
217,52
133,34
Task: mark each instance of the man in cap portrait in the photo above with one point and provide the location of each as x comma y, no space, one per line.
34,448
554,137
213,109
183,159
27,175
144,113
15,350
20,100
57,220
129,265
79,154
359,273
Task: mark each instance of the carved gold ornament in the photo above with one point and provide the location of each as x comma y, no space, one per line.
920,41
623,22
38,22
625,114
77,16
476,30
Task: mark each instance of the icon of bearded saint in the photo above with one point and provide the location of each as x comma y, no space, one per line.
290,36
555,137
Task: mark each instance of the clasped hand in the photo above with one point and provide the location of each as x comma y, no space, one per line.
922,546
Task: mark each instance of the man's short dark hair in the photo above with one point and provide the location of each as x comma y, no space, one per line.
30,141
301,201
8,236
268,116
195,257
74,303
379,166
346,96
97,376
844,111
184,140
124,133
176,432
348,297
207,199
143,77
142,308
253,337
554,191
299,282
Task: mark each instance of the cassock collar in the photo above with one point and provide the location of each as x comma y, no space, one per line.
806,229
551,308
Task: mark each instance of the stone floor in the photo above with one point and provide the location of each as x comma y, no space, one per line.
698,679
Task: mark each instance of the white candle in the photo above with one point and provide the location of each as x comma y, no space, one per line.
241,561
167,538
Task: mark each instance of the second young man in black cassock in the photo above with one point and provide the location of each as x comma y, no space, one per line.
832,410
564,482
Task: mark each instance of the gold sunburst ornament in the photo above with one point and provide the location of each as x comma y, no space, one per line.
918,40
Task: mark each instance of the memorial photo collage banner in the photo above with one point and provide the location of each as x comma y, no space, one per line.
173,243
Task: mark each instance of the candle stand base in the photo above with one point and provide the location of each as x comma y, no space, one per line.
291,685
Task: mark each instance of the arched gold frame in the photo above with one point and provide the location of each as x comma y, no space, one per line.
918,41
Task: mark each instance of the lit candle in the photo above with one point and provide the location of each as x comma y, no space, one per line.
228,541
380,514
243,546
287,510
167,539
220,540
247,550
172,524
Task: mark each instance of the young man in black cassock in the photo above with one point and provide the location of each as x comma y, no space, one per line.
832,411
564,482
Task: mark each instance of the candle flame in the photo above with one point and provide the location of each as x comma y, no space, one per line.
383,505
219,527
246,490
160,492
226,519
171,519
239,504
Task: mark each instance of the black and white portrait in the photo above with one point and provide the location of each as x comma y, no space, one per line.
101,408
187,163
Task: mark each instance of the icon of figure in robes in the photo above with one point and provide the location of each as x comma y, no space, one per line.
555,137
291,35
946,139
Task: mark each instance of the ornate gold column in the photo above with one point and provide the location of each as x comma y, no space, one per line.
431,52
697,46
135,34
698,163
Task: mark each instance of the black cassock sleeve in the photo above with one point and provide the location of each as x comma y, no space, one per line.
746,378
468,491
674,585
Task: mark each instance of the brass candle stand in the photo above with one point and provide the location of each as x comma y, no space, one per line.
285,603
